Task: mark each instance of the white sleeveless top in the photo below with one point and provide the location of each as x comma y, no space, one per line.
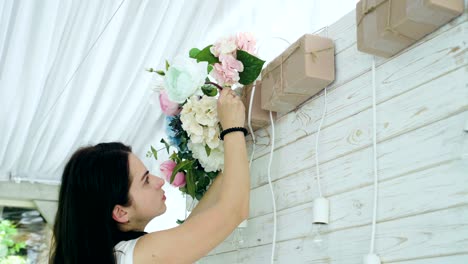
124,251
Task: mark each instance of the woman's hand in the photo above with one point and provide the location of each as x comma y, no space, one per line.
231,110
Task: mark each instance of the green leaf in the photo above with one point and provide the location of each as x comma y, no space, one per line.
165,144
208,150
190,182
183,165
209,69
203,182
206,55
161,73
179,222
209,90
252,67
193,53
212,174
167,65
155,153
173,156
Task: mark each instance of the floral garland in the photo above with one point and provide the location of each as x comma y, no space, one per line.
187,92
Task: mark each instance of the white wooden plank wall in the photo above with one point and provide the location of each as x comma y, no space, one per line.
422,98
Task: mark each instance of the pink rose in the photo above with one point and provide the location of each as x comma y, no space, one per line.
227,72
166,169
246,42
167,106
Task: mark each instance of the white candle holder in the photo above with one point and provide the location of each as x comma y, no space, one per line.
321,211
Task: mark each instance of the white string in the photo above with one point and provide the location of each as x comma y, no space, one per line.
374,120
269,164
271,186
317,137
249,121
317,142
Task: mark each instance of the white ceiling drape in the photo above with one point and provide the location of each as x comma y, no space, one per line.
103,47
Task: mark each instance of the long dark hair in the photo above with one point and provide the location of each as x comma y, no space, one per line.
94,180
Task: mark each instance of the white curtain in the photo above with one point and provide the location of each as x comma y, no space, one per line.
43,119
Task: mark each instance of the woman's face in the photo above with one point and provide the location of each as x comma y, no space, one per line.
148,199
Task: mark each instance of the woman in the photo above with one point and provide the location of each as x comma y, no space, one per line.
107,197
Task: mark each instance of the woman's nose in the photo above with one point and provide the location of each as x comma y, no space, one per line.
159,182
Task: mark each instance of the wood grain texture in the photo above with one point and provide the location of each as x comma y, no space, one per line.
435,55
422,108
437,233
353,209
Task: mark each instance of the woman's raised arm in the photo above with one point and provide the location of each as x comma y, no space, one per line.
199,234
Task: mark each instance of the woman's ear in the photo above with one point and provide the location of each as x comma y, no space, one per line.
120,214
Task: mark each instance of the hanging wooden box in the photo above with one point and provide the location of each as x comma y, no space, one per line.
385,27
301,71
259,117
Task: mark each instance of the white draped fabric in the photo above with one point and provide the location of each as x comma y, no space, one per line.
103,47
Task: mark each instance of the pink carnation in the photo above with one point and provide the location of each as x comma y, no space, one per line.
166,169
246,42
227,72
167,106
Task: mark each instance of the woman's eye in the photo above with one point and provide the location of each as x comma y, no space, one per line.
147,179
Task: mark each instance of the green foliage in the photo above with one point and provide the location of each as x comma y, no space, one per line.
167,65
165,144
252,67
182,166
13,260
207,150
152,153
8,245
162,73
209,68
193,53
205,55
210,90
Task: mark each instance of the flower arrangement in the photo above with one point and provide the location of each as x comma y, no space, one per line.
187,92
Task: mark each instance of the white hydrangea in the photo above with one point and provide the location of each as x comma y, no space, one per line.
200,120
214,162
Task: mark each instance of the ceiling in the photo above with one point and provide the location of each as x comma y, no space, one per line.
72,73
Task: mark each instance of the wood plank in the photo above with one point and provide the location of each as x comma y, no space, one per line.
29,191
446,183
437,233
16,203
409,157
436,55
436,143
402,114
452,259
48,210
343,32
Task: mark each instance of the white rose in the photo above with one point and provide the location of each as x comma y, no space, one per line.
185,78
